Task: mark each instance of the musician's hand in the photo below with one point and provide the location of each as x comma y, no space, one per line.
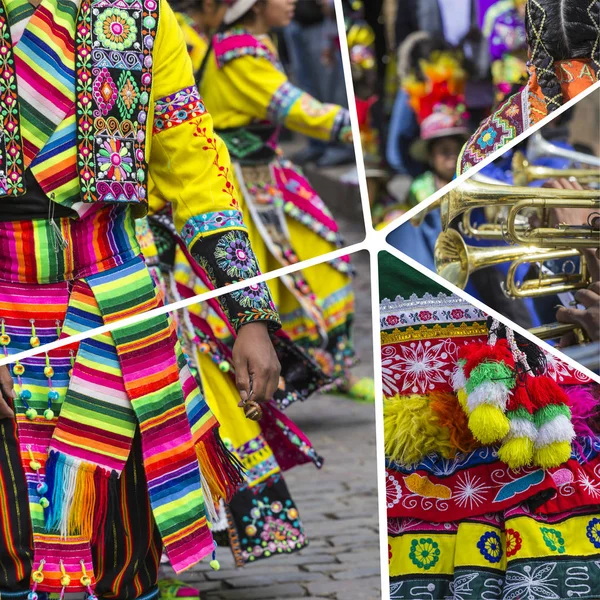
567,216
8,391
255,359
589,318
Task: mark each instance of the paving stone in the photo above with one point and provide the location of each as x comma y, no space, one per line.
259,593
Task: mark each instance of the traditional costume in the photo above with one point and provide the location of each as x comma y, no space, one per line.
251,99
115,451
493,454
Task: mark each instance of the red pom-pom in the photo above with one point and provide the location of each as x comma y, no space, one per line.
543,391
475,354
520,396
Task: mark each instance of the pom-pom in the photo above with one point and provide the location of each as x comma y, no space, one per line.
451,416
496,372
543,390
488,424
492,393
584,408
474,354
516,452
215,565
459,380
553,455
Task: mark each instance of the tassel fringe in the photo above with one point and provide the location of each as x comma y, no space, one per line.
222,471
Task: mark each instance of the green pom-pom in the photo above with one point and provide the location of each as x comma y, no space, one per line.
520,413
517,453
215,565
552,455
490,371
44,502
31,413
49,414
488,424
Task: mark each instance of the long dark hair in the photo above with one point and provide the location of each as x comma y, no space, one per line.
561,30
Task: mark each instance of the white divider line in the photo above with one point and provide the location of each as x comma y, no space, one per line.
473,170
181,304
492,313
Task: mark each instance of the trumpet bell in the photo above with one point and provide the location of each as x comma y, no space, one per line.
451,258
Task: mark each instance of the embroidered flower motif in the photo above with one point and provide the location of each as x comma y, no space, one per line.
115,29
128,94
234,255
490,546
392,320
114,160
457,313
104,91
593,532
425,315
533,584
424,553
553,539
513,542
254,296
487,137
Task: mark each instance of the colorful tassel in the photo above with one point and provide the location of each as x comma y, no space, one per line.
482,381
451,416
553,420
411,430
584,410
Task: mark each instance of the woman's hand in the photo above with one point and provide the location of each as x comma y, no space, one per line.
8,391
588,319
255,362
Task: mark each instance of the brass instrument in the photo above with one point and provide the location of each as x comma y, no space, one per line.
470,195
553,331
545,283
537,147
455,261
524,173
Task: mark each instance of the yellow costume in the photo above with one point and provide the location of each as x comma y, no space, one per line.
251,98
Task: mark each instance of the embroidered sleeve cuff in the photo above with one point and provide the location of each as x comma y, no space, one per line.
211,223
179,108
342,127
228,258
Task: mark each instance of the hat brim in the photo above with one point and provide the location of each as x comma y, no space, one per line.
239,9
419,149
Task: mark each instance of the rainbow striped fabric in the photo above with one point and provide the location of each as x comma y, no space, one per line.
47,45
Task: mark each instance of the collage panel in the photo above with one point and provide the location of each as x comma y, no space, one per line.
442,85
492,449
134,454
522,235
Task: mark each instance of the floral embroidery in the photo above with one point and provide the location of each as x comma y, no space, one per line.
281,103
513,542
593,532
115,29
553,539
533,584
128,95
424,553
254,296
393,490
211,222
114,160
178,108
487,137
234,255
105,91
490,546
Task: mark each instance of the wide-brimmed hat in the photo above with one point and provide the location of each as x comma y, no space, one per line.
444,121
237,9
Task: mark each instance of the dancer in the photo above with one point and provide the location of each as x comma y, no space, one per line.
113,452
563,37
251,99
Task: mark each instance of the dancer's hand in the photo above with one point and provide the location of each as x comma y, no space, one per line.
8,391
589,318
254,359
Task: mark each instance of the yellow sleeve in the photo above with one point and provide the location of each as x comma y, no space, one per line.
189,166
264,92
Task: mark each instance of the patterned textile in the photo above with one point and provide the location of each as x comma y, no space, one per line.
177,109
32,252
91,423
522,110
236,43
462,524
126,556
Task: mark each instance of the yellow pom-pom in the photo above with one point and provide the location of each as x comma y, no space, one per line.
215,565
488,424
462,399
517,452
552,455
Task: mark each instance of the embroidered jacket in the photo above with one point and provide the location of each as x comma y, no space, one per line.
98,97
244,83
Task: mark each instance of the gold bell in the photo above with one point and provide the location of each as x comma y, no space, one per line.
253,411
65,580
37,576
86,581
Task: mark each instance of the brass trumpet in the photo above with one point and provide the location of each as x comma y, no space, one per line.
470,195
525,173
455,261
537,147
553,331
546,283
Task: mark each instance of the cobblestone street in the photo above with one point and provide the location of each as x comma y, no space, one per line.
338,504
